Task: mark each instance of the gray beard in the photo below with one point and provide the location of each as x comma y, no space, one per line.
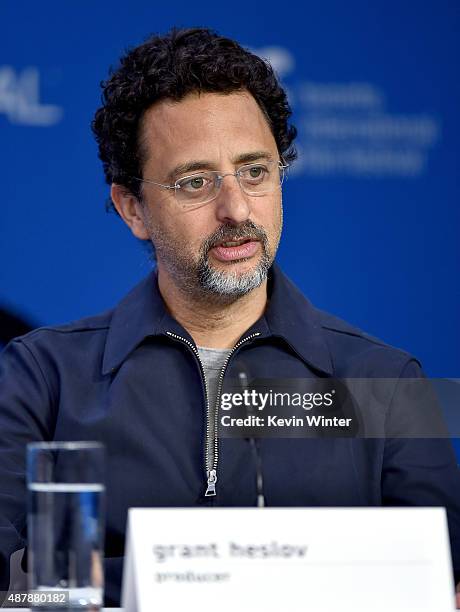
200,280
226,284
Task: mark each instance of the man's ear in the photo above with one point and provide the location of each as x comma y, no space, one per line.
130,210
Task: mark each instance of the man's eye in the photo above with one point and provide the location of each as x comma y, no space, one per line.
254,173
193,183
197,183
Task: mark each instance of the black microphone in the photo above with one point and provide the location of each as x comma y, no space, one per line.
243,381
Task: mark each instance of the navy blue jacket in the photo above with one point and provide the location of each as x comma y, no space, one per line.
130,378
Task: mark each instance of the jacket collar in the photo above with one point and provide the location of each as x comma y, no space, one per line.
136,317
289,316
292,317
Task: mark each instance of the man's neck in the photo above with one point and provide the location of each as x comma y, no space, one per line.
213,324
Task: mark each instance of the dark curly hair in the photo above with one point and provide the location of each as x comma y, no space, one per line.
172,66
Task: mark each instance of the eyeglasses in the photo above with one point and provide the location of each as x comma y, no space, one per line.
202,187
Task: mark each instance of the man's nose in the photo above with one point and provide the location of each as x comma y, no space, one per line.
232,204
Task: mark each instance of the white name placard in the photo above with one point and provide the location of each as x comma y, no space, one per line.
295,559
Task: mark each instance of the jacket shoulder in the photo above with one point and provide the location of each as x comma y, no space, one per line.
356,352
88,326
331,323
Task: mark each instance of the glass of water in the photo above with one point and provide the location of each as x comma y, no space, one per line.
65,524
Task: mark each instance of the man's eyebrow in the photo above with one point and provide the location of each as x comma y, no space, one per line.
190,166
247,158
205,164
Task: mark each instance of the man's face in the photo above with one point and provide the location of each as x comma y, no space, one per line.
201,133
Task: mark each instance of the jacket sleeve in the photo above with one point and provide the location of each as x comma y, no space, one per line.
421,470
25,416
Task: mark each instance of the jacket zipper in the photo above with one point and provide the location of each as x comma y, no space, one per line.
211,469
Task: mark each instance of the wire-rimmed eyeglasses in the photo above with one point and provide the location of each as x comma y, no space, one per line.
256,179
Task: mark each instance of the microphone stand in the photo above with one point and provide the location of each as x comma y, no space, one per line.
243,380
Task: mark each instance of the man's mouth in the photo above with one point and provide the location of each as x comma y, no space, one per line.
232,250
232,243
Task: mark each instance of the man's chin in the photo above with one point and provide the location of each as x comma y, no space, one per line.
233,279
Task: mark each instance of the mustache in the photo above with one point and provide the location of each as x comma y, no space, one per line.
230,233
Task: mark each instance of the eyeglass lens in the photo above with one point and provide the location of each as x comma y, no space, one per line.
254,179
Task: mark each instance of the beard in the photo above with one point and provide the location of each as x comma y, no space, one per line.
199,278
228,283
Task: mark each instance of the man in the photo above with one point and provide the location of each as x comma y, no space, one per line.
194,139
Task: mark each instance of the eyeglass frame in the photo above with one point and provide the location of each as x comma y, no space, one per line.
281,166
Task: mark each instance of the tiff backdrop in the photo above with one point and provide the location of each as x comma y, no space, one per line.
371,208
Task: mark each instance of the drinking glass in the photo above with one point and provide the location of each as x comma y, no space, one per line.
65,524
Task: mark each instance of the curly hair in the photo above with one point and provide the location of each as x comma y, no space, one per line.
172,66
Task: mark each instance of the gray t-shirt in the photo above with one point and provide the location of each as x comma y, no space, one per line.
213,361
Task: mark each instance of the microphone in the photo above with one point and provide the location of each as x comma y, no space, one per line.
243,380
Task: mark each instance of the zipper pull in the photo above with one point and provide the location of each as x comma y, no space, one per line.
212,479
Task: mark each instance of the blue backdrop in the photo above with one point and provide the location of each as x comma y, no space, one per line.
371,207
